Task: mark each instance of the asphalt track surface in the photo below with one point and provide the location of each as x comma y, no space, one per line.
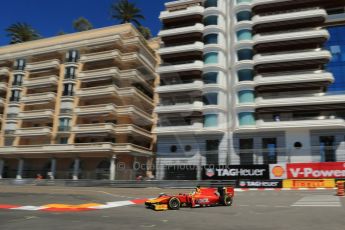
257,210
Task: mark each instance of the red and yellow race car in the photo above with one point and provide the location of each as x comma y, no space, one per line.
201,197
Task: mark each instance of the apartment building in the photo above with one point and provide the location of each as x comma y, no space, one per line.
250,82
78,105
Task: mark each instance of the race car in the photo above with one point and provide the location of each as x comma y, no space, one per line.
201,197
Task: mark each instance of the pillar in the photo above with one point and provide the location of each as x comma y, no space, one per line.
76,169
53,168
20,169
112,168
2,164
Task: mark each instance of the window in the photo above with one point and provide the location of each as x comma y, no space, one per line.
210,78
327,149
245,54
243,1
246,118
270,150
246,96
211,120
17,80
211,58
211,3
72,56
245,75
188,148
211,39
20,64
210,99
15,95
70,72
244,35
211,20
244,16
212,148
298,145
63,140
246,151
336,45
68,90
64,124
173,148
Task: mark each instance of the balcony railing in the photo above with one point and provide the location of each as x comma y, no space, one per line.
55,63
33,131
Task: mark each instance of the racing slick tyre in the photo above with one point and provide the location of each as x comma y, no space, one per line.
227,200
174,203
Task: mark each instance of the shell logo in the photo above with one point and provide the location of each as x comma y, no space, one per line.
278,171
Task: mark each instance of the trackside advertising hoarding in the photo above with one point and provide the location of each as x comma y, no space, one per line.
308,170
235,172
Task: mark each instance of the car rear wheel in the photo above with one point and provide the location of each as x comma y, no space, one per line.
227,200
174,203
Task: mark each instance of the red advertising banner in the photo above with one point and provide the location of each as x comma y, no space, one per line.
315,170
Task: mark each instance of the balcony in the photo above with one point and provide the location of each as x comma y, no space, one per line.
3,86
311,35
180,129
197,28
189,66
111,128
108,73
133,111
193,10
294,77
301,16
4,71
197,46
50,64
293,56
94,128
194,86
41,81
2,102
300,100
98,74
322,123
36,114
106,55
33,131
179,108
77,148
39,98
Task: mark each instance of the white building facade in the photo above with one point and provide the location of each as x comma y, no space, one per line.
244,82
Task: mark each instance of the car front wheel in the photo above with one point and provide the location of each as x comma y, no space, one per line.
174,203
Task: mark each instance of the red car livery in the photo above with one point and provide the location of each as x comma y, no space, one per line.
200,197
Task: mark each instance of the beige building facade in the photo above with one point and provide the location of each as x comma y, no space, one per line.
78,106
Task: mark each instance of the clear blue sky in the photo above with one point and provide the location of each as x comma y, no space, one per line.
49,17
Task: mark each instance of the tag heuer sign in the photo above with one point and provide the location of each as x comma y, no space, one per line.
234,172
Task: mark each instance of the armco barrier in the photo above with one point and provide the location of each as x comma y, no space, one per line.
119,183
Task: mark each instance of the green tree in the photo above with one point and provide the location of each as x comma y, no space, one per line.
82,24
21,32
146,32
126,12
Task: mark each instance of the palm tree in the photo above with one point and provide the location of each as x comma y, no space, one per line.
126,12
146,32
21,32
82,24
